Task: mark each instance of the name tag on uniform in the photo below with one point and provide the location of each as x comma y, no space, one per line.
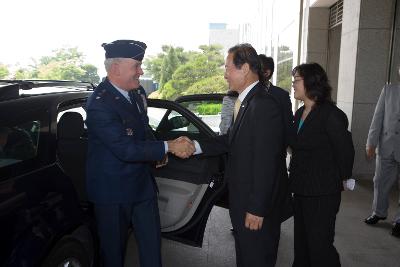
129,131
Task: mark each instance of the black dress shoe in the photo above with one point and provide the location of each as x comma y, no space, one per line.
396,230
373,219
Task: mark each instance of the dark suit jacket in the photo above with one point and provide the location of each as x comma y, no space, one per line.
286,105
323,152
119,151
254,145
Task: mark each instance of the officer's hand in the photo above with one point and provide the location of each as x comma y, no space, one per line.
181,147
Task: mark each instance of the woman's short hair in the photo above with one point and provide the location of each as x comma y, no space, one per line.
316,83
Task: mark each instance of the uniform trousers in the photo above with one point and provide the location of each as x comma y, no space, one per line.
314,230
113,223
387,171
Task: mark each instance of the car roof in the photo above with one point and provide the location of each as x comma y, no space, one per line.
15,89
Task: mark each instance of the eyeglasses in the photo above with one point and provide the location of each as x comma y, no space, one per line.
294,81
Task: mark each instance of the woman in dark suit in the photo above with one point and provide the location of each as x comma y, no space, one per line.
322,158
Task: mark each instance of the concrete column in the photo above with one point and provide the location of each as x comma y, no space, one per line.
363,68
317,42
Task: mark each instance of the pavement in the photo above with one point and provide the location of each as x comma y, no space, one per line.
358,244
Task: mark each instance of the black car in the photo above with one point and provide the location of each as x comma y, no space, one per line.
45,218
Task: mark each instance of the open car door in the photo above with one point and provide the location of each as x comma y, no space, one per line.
207,107
188,188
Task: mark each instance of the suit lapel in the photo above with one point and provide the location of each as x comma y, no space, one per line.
308,119
242,111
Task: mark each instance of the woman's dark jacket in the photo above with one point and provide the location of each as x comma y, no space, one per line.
322,152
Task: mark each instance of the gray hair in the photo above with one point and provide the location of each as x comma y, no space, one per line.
109,61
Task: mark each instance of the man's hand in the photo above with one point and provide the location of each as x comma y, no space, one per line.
370,152
253,222
181,147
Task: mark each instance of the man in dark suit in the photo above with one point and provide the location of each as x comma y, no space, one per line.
254,145
268,67
120,148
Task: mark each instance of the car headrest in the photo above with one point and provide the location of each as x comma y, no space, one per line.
70,126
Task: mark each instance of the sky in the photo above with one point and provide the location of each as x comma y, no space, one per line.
32,29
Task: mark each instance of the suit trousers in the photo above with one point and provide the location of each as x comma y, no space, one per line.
314,231
255,248
113,223
387,171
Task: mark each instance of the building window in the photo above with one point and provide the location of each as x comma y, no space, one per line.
336,14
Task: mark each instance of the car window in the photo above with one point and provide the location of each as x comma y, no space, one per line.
169,124
208,111
19,142
187,126
74,107
80,110
163,120
155,116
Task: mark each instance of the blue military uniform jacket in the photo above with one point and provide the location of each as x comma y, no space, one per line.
118,169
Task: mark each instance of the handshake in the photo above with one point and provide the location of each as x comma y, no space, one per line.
181,147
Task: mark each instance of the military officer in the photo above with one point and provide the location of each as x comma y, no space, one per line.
119,181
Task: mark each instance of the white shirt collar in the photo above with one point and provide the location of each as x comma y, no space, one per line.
123,92
244,93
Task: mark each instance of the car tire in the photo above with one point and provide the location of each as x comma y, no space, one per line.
68,252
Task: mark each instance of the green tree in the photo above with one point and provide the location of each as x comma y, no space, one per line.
194,71
153,66
65,64
4,72
213,53
169,92
168,67
284,68
177,70
214,84
60,71
23,73
90,73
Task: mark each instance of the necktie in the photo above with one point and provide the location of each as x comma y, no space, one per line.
134,100
236,108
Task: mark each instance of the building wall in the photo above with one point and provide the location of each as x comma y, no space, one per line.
364,61
332,68
363,69
395,63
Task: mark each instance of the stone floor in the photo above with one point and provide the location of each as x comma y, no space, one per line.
358,244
